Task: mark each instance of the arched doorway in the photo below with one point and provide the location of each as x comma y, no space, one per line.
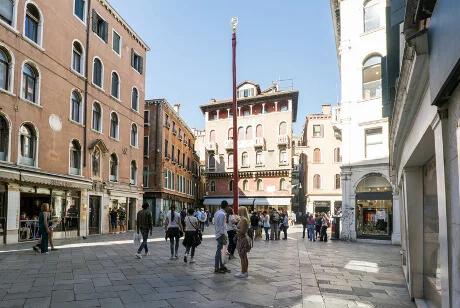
374,208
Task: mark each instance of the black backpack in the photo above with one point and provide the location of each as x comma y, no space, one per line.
254,220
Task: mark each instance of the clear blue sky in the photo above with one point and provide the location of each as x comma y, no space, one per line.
190,41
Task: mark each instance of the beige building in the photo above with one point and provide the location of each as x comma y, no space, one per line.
323,182
264,147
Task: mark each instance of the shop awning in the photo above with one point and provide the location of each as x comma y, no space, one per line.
217,201
55,181
273,201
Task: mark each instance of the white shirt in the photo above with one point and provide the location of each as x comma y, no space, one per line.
267,221
229,223
173,223
219,223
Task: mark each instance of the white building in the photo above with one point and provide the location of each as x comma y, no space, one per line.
370,204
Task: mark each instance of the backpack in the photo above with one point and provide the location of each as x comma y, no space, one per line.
276,217
254,220
203,216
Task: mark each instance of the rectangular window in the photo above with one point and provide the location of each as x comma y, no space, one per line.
183,160
146,116
6,11
100,27
374,143
166,147
116,42
177,182
145,177
178,156
318,131
165,184
173,152
137,62
146,146
169,179
79,9
172,181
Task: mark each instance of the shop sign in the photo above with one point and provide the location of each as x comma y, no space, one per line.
43,191
27,189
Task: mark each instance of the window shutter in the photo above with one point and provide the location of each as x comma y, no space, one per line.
322,130
132,57
141,64
106,32
95,17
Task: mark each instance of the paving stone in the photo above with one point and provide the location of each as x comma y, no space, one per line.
41,302
62,296
111,303
12,303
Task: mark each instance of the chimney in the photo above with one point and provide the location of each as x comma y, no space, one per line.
213,100
176,108
326,109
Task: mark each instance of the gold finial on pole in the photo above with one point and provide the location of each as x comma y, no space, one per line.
234,23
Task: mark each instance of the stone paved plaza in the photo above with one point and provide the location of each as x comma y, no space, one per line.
102,272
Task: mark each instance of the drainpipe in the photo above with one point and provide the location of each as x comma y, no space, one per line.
85,114
157,150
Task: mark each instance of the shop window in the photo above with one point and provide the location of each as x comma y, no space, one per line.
28,145
316,181
372,79
134,135
76,108
114,125
4,138
77,57
135,102
75,158
316,155
98,73
133,178
260,185
213,186
97,117
245,185
115,91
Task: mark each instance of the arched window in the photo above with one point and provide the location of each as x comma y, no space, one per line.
212,161
337,156
230,134
134,135
133,178
114,125
98,73
249,133
371,15
259,131
4,138
316,181
230,160
5,66
115,92
245,185
240,133
372,82
28,145
260,185
76,107
316,155
213,186
337,181
96,163
75,158
33,24
283,128
245,159
77,58
97,117
230,185
283,185
259,158
113,168
30,83
283,156
7,12
135,99
212,136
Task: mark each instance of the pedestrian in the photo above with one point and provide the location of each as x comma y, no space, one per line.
231,220
311,228
173,227
243,242
285,224
274,221
122,217
191,238
202,218
266,224
161,217
183,214
207,219
144,224
221,235
293,218
43,227
304,220
324,226
254,226
113,220
318,224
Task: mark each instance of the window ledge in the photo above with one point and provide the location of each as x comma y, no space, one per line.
76,123
260,165
78,74
369,99
372,31
146,124
76,175
114,139
115,98
79,19
99,37
31,103
28,40
7,26
97,132
98,87
113,181
136,70
29,166
7,92
134,146
136,111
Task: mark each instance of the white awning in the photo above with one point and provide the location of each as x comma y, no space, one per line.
217,201
273,201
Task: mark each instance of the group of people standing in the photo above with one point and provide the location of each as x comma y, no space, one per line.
117,218
316,224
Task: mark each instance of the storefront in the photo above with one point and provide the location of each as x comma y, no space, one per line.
374,208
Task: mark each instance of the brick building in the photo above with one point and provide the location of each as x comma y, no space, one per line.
71,78
171,164
264,147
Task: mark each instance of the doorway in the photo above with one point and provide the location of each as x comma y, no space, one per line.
2,214
131,213
94,215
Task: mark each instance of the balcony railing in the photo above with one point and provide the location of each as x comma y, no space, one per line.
259,142
372,89
212,146
229,144
283,140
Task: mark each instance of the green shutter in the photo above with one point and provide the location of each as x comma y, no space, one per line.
106,32
132,57
94,21
141,64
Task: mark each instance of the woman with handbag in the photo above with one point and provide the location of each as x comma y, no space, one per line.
43,226
244,242
192,235
173,228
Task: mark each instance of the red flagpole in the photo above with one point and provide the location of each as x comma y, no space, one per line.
234,22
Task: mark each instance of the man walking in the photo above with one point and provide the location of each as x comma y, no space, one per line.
274,227
202,218
220,231
304,224
144,224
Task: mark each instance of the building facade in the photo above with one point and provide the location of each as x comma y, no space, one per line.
264,147
323,184
171,164
71,78
299,156
370,203
422,98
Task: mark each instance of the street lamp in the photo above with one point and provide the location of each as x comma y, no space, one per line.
234,23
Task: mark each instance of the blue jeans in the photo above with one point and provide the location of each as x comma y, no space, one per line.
145,235
218,258
114,225
311,232
267,236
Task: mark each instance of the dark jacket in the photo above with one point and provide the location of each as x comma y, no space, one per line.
144,219
304,220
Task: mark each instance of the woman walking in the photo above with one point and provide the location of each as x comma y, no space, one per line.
191,239
231,220
311,228
285,224
244,243
324,226
266,222
43,227
173,227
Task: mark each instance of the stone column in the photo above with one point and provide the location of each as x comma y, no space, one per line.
84,213
263,108
206,116
12,225
250,109
348,207
217,112
396,232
